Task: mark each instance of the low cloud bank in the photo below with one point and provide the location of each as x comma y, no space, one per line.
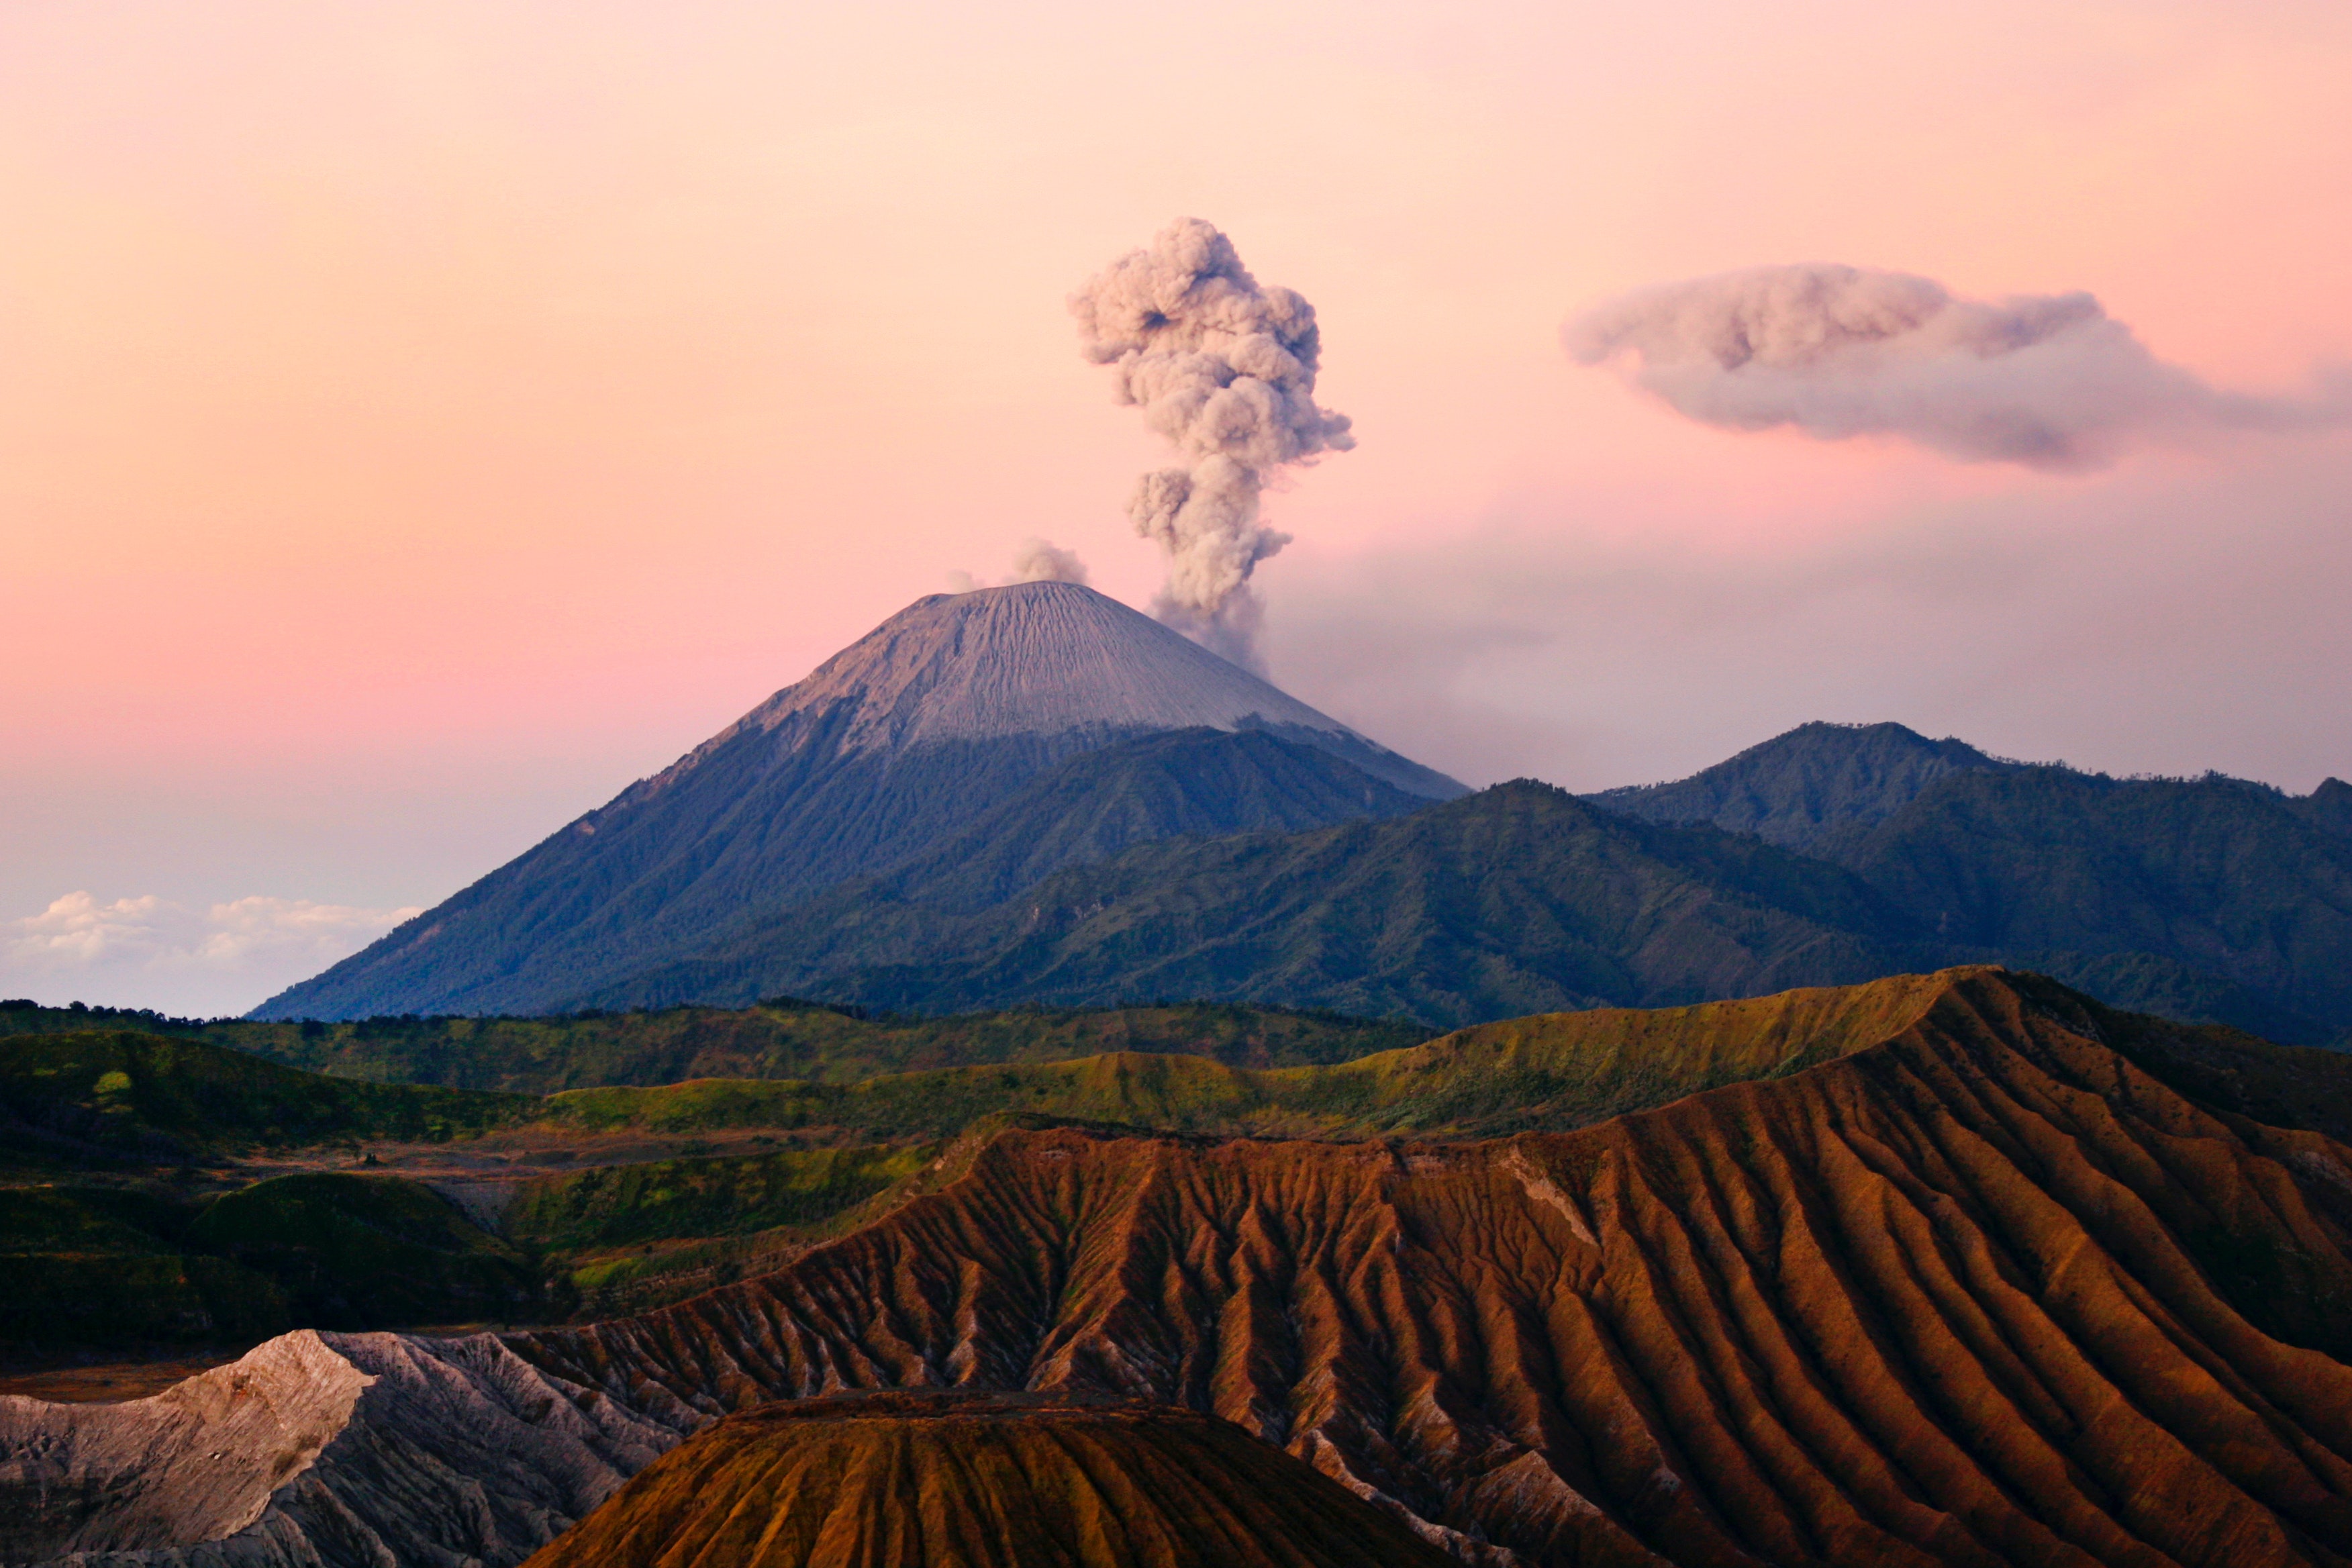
2048,381
150,952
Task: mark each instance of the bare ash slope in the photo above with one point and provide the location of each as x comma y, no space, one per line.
983,1481
1953,1282
895,744
319,1450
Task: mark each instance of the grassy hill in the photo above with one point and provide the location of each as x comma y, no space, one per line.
82,1265
780,1038
1548,1071
622,1237
107,1238
123,1097
362,1251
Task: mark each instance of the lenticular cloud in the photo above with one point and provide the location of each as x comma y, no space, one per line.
2047,381
1226,371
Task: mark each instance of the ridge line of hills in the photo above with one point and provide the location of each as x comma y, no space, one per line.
2202,899
1035,795
1959,1269
130,1153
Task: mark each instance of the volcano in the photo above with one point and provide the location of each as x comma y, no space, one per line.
891,747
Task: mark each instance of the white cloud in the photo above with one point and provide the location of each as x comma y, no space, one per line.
150,952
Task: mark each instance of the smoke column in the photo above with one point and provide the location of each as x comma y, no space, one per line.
1043,561
2047,381
1226,371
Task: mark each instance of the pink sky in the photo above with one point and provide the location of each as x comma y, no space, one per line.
417,421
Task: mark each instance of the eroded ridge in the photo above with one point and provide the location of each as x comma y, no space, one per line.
318,1451
983,1481
1980,1293
1958,1299
197,1462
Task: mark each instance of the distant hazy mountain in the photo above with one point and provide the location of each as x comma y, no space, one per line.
2227,879
1517,899
2209,899
2328,806
1817,780
906,738
2213,900
1036,795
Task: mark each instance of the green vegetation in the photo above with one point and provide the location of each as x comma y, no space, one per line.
125,1300
1516,900
360,1252
1806,785
99,1221
153,1259
1554,1071
661,1199
2216,875
2284,1085
628,1238
778,1039
102,1266
138,1098
2210,900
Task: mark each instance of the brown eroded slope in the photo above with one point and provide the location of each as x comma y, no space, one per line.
1982,1293
983,1481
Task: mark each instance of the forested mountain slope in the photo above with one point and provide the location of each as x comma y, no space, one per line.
2225,877
1517,899
1799,788
2205,899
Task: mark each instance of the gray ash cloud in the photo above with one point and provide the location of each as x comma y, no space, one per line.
2049,380
1225,370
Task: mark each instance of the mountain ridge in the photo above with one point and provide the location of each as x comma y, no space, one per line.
1519,899
968,1480
895,744
1950,1273
1862,1314
1807,783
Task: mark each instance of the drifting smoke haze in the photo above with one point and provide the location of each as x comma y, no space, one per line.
1037,561
2050,381
1043,561
1226,371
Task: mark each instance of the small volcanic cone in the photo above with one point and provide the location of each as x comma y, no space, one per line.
1041,1481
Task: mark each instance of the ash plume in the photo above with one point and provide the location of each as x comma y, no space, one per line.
2048,381
1043,561
1226,371
1037,561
